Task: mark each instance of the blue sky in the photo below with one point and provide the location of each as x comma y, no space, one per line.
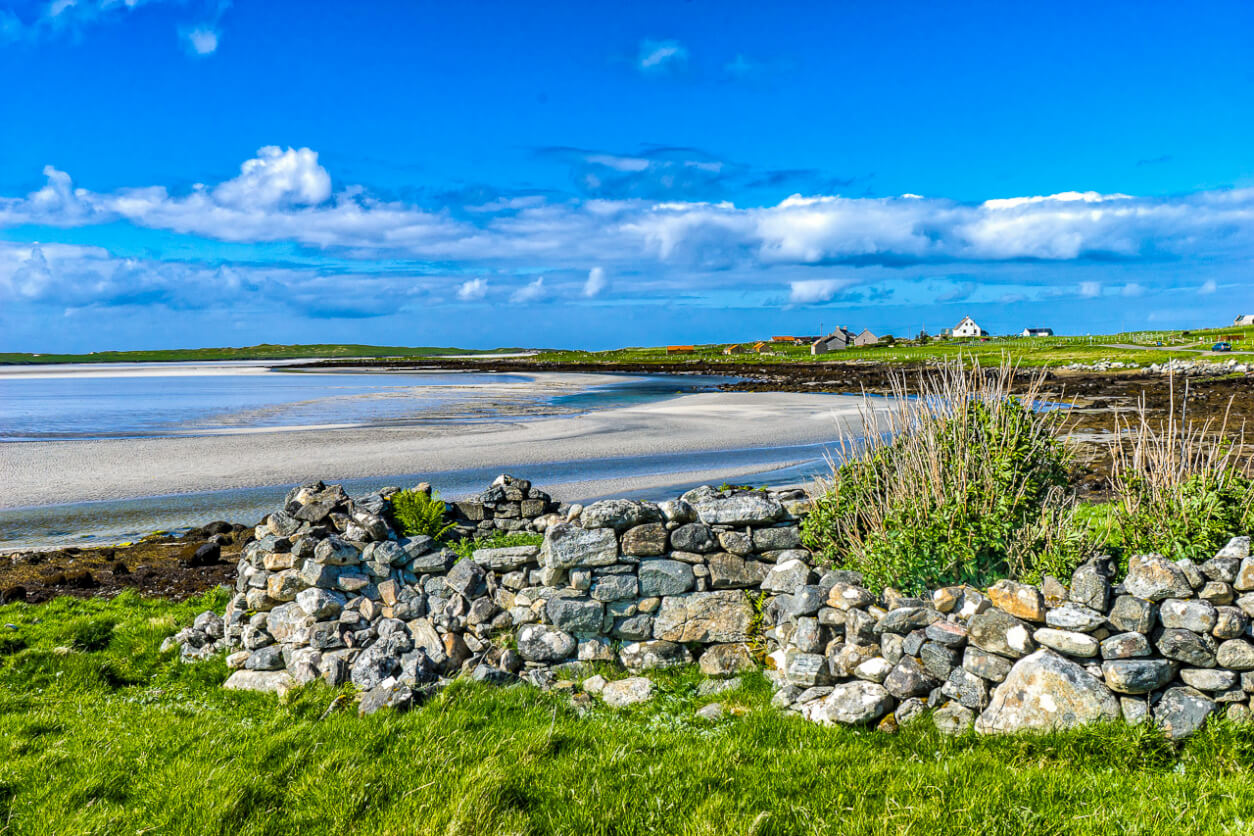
480,174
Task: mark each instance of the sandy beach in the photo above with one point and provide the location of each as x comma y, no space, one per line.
45,473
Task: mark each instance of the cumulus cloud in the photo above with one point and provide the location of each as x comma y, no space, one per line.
531,292
812,291
277,177
1090,290
661,57
202,40
473,290
596,282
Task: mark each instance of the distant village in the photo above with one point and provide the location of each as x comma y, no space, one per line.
843,338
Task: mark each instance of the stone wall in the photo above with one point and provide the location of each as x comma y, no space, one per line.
327,589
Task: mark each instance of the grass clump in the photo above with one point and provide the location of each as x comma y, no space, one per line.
959,481
497,540
1181,488
419,512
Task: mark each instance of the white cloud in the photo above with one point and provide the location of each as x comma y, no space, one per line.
812,291
660,57
1090,290
473,290
1208,287
596,282
531,292
276,177
202,40
1132,289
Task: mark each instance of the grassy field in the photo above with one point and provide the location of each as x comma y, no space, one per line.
1026,351
100,733
252,352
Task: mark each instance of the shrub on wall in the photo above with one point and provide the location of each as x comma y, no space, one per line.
957,481
417,512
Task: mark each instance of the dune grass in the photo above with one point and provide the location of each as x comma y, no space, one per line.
101,733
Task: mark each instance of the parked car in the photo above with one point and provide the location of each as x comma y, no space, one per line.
1221,347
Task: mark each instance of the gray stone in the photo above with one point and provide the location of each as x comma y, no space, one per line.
953,719
947,633
805,670
1090,586
909,710
433,563
664,577
909,679
938,660
265,659
1230,623
1210,679
1135,710
1187,647
336,552
645,540
746,509
630,691
1067,642
378,662
1126,646
694,537
1223,569
288,623
542,643
1236,655
724,660
1133,615
776,539
567,546
851,703
967,688
507,558
846,596
389,695
736,542
652,655
999,632
1137,676
615,588
1198,616
1154,578
712,712
787,576
807,600
1073,616
1217,592
580,616
634,627
1238,547
905,619
1045,691
620,514
708,617
809,636
728,571
269,682
1182,711
321,604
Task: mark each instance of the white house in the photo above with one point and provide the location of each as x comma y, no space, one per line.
968,328
1037,332
1244,319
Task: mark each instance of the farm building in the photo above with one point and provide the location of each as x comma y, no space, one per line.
838,340
1037,332
680,349
1244,319
865,338
968,328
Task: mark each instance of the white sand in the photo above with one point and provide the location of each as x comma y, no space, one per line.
43,473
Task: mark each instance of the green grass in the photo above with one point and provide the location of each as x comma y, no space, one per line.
252,352
1025,351
121,739
496,540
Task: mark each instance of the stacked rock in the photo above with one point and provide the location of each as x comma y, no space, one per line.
327,589
1171,643
508,504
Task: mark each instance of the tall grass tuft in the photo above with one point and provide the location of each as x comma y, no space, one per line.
958,479
1182,487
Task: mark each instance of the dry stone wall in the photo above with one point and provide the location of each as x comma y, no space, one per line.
328,590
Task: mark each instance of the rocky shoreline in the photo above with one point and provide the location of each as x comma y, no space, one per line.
328,590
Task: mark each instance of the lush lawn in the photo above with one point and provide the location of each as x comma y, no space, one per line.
252,352
101,734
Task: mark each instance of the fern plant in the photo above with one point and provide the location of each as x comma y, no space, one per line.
417,513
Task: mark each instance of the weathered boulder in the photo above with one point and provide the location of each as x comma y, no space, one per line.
1019,599
999,632
1073,616
1198,616
711,617
1182,711
909,679
1187,647
269,682
646,540
580,616
624,692
1236,655
754,508
1090,584
507,558
664,577
694,537
1045,691
725,660
386,695
1067,642
543,643
1155,578
1137,676
850,703
729,571
567,546
620,514
1133,615
787,576
651,655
